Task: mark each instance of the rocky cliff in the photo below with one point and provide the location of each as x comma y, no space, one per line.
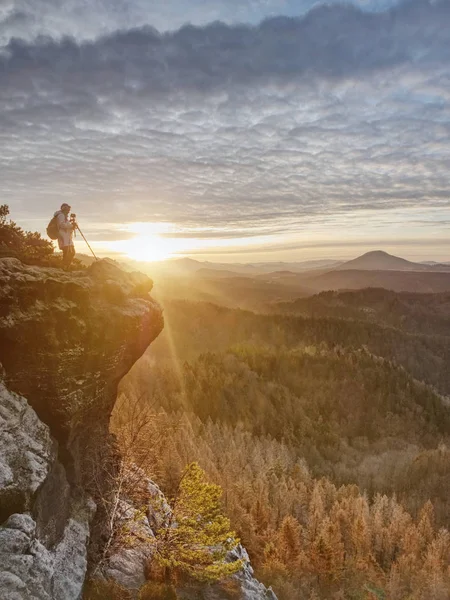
66,341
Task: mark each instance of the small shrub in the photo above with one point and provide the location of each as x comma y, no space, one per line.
157,591
105,589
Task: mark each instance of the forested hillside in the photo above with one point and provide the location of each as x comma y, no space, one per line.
328,431
416,313
195,328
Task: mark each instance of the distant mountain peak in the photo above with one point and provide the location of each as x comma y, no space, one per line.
379,260
376,253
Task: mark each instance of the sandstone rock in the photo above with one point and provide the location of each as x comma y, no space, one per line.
66,340
78,342
149,494
30,571
251,589
26,453
70,560
128,564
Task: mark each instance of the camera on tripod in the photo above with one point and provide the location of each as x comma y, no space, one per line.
73,220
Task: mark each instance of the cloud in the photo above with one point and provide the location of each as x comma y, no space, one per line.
331,41
262,128
89,20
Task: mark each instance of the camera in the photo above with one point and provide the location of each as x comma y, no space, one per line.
73,220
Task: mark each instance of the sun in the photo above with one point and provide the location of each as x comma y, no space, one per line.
148,248
149,242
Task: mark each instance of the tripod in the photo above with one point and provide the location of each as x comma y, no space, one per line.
73,218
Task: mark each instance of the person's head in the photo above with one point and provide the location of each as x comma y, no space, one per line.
66,208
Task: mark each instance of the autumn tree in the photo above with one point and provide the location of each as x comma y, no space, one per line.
290,540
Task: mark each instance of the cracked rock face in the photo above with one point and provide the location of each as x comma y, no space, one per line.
66,340
26,451
127,564
31,571
33,564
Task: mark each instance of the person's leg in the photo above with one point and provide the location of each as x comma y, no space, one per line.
72,254
66,257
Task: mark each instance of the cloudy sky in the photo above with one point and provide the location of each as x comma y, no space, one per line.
237,130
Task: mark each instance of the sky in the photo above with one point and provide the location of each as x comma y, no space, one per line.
230,130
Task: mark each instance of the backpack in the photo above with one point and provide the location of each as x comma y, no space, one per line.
52,229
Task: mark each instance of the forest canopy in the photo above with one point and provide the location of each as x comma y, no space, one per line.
333,457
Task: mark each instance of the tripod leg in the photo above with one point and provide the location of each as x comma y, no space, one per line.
88,245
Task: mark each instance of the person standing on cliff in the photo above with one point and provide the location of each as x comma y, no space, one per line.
66,228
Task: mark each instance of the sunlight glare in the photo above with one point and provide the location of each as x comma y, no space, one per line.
148,248
160,241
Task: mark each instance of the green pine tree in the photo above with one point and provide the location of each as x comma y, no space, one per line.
197,537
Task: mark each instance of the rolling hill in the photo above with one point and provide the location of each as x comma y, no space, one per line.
399,281
412,312
227,290
379,260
